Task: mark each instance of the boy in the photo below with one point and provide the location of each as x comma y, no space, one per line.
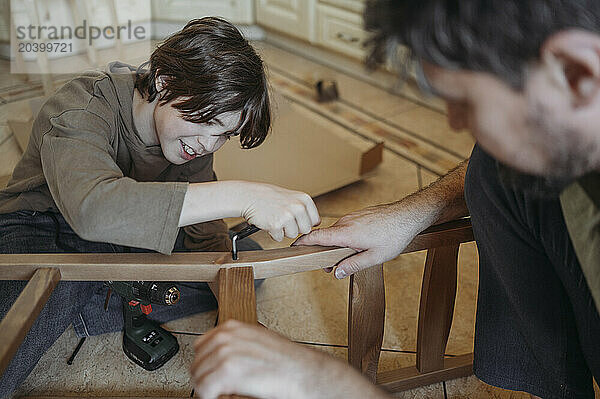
119,161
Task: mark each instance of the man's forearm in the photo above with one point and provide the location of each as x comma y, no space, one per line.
440,202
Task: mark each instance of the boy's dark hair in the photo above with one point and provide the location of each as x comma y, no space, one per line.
496,36
208,68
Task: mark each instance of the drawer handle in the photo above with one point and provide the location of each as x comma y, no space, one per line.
347,38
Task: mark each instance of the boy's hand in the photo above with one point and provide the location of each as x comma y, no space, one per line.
238,358
277,210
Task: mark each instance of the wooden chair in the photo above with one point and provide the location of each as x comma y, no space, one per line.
236,297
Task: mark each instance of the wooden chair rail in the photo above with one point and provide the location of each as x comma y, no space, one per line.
186,266
19,319
204,266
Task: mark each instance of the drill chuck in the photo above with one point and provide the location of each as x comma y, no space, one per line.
161,293
172,296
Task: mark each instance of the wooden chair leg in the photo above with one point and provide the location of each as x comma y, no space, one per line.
435,319
237,299
437,307
366,316
22,314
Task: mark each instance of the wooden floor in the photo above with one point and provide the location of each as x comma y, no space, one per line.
309,307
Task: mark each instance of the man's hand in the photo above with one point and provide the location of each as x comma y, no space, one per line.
277,210
381,233
238,358
378,233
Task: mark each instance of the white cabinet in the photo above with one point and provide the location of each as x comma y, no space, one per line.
236,11
341,30
334,24
292,17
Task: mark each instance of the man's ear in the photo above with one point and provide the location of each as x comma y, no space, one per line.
578,53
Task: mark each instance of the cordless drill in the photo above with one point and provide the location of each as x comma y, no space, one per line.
144,340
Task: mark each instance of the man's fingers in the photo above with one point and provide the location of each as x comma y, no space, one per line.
355,263
325,237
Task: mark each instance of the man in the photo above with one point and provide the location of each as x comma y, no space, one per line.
524,78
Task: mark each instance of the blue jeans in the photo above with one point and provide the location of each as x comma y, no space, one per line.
537,329
74,302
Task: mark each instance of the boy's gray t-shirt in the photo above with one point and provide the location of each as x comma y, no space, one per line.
86,160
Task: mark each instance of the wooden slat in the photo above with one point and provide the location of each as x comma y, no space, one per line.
16,323
366,316
442,235
409,377
204,266
237,299
189,266
438,293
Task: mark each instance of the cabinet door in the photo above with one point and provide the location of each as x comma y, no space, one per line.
341,31
292,17
236,11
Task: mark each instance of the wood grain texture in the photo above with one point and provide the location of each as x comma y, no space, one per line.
237,299
366,316
438,293
204,266
442,235
189,266
16,323
409,377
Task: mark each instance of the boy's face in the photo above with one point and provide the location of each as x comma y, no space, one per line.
181,140
549,128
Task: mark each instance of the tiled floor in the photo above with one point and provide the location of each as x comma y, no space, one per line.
308,307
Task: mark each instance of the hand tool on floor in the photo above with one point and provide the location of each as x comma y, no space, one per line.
245,232
326,90
144,340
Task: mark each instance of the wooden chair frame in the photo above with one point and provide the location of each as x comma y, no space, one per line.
236,297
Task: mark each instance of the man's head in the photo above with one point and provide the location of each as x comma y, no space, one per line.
209,85
522,76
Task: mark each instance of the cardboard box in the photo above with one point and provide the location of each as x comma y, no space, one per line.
304,152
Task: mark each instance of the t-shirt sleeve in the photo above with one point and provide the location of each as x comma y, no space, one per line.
93,195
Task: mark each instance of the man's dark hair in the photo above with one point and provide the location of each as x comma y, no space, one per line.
209,68
496,36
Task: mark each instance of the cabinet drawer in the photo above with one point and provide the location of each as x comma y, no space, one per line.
341,31
292,17
357,6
